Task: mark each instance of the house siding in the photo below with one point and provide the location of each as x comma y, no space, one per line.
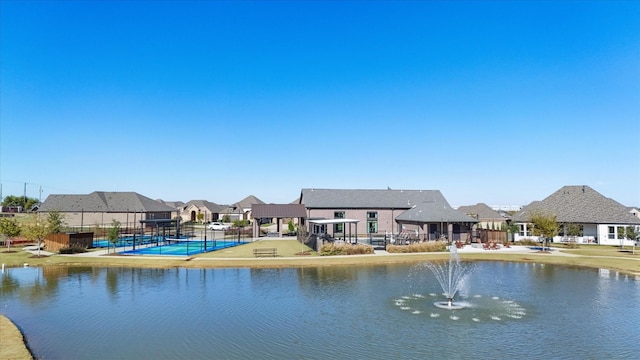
386,218
591,233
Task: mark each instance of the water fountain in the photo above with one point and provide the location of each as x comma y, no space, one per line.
450,274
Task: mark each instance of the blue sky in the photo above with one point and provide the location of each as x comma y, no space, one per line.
496,102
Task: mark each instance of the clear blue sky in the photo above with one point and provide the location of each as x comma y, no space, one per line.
496,102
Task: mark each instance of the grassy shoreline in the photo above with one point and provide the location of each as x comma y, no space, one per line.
12,344
290,255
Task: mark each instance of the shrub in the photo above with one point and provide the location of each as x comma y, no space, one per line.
431,246
572,244
529,242
73,249
345,249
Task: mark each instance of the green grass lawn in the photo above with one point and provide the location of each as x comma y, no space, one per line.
604,250
286,248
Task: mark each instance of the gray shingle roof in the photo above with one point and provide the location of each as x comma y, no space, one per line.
173,204
248,201
369,199
211,206
579,204
483,211
234,209
430,212
278,211
100,201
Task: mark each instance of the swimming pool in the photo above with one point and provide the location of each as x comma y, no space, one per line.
183,247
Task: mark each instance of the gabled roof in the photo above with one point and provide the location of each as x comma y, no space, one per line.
173,204
102,201
368,199
211,206
234,209
248,201
278,211
433,212
579,204
482,212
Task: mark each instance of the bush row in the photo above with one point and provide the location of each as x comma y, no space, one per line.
73,249
345,249
430,246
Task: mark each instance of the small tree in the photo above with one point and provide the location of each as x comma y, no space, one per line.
621,236
545,226
511,230
55,220
36,231
200,217
572,230
9,228
114,233
631,233
240,224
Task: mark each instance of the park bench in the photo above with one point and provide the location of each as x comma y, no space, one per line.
259,252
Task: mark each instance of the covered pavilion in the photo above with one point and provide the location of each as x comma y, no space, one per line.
278,212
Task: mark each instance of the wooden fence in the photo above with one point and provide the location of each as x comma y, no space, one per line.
491,235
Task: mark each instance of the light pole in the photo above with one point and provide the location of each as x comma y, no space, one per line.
205,237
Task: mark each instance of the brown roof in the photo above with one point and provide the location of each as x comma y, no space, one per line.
278,211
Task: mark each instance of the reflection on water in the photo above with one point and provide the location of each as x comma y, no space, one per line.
337,312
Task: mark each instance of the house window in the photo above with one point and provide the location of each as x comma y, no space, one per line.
338,228
372,226
524,230
612,232
372,222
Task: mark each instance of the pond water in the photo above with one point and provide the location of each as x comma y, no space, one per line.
358,312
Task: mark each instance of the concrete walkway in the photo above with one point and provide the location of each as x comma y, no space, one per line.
33,249
514,249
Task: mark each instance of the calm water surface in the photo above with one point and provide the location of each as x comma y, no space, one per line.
366,312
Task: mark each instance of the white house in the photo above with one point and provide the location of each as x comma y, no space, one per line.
600,219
